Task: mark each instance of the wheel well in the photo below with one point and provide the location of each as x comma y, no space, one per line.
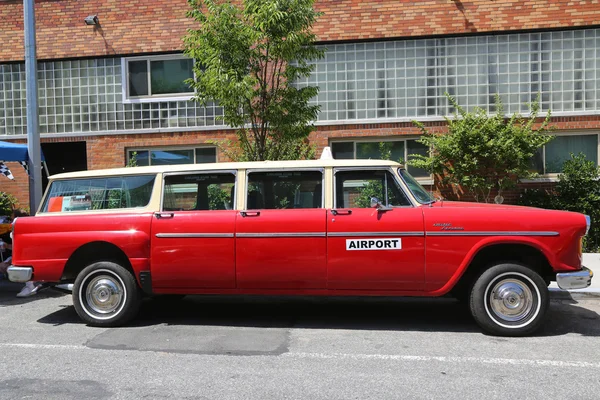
93,252
523,254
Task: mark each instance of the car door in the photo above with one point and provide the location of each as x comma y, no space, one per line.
280,236
193,235
369,248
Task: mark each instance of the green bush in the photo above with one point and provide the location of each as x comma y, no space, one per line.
577,189
483,153
8,202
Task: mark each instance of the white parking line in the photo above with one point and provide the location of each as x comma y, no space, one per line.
356,357
452,360
39,346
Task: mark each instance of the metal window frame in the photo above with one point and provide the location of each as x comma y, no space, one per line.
554,175
426,180
167,148
257,170
165,175
150,98
407,193
44,201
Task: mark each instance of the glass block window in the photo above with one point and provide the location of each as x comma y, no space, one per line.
399,149
83,96
550,159
159,76
407,79
171,156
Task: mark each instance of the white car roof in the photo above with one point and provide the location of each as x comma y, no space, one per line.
226,166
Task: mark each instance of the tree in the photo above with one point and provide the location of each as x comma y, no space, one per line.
247,59
484,153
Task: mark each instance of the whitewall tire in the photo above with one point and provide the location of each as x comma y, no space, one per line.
106,294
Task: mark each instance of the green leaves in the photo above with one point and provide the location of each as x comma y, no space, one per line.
8,203
483,153
578,190
247,59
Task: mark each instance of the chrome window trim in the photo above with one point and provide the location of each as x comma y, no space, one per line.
46,193
374,234
408,187
281,234
492,233
319,169
193,235
222,171
400,183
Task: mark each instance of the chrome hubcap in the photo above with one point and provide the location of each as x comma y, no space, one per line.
511,300
104,294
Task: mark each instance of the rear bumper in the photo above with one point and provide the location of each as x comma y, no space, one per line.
574,280
19,274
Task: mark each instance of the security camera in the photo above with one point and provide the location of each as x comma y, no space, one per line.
91,20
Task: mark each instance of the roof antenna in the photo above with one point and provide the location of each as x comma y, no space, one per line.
326,155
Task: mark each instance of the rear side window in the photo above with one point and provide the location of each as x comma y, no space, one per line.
195,192
354,189
99,193
285,190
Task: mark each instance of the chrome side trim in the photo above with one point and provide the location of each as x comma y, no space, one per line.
374,234
279,235
575,280
193,235
492,233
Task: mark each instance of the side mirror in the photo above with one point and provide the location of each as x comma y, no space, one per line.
375,203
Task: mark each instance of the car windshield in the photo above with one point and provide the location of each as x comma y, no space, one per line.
415,187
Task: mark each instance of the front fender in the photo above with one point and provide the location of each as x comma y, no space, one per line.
446,267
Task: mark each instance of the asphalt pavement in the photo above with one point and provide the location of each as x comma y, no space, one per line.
216,347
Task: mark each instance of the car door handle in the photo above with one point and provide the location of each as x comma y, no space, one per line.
246,213
164,215
341,212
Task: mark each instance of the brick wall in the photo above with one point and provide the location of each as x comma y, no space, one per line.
109,151
141,26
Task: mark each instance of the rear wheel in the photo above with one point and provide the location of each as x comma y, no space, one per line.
106,294
509,300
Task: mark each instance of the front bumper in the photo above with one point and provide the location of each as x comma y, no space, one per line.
19,274
575,280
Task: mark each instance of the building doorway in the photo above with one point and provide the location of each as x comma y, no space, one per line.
64,157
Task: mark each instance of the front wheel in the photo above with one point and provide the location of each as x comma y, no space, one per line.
509,300
106,294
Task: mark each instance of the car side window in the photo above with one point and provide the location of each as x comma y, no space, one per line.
194,192
354,189
284,190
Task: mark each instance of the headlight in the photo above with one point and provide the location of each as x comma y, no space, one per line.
588,222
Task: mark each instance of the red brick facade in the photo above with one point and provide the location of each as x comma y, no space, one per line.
129,27
110,151
141,26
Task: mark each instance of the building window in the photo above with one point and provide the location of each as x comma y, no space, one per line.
157,77
400,151
549,160
407,79
172,156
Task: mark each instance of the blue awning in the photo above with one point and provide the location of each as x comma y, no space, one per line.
14,152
